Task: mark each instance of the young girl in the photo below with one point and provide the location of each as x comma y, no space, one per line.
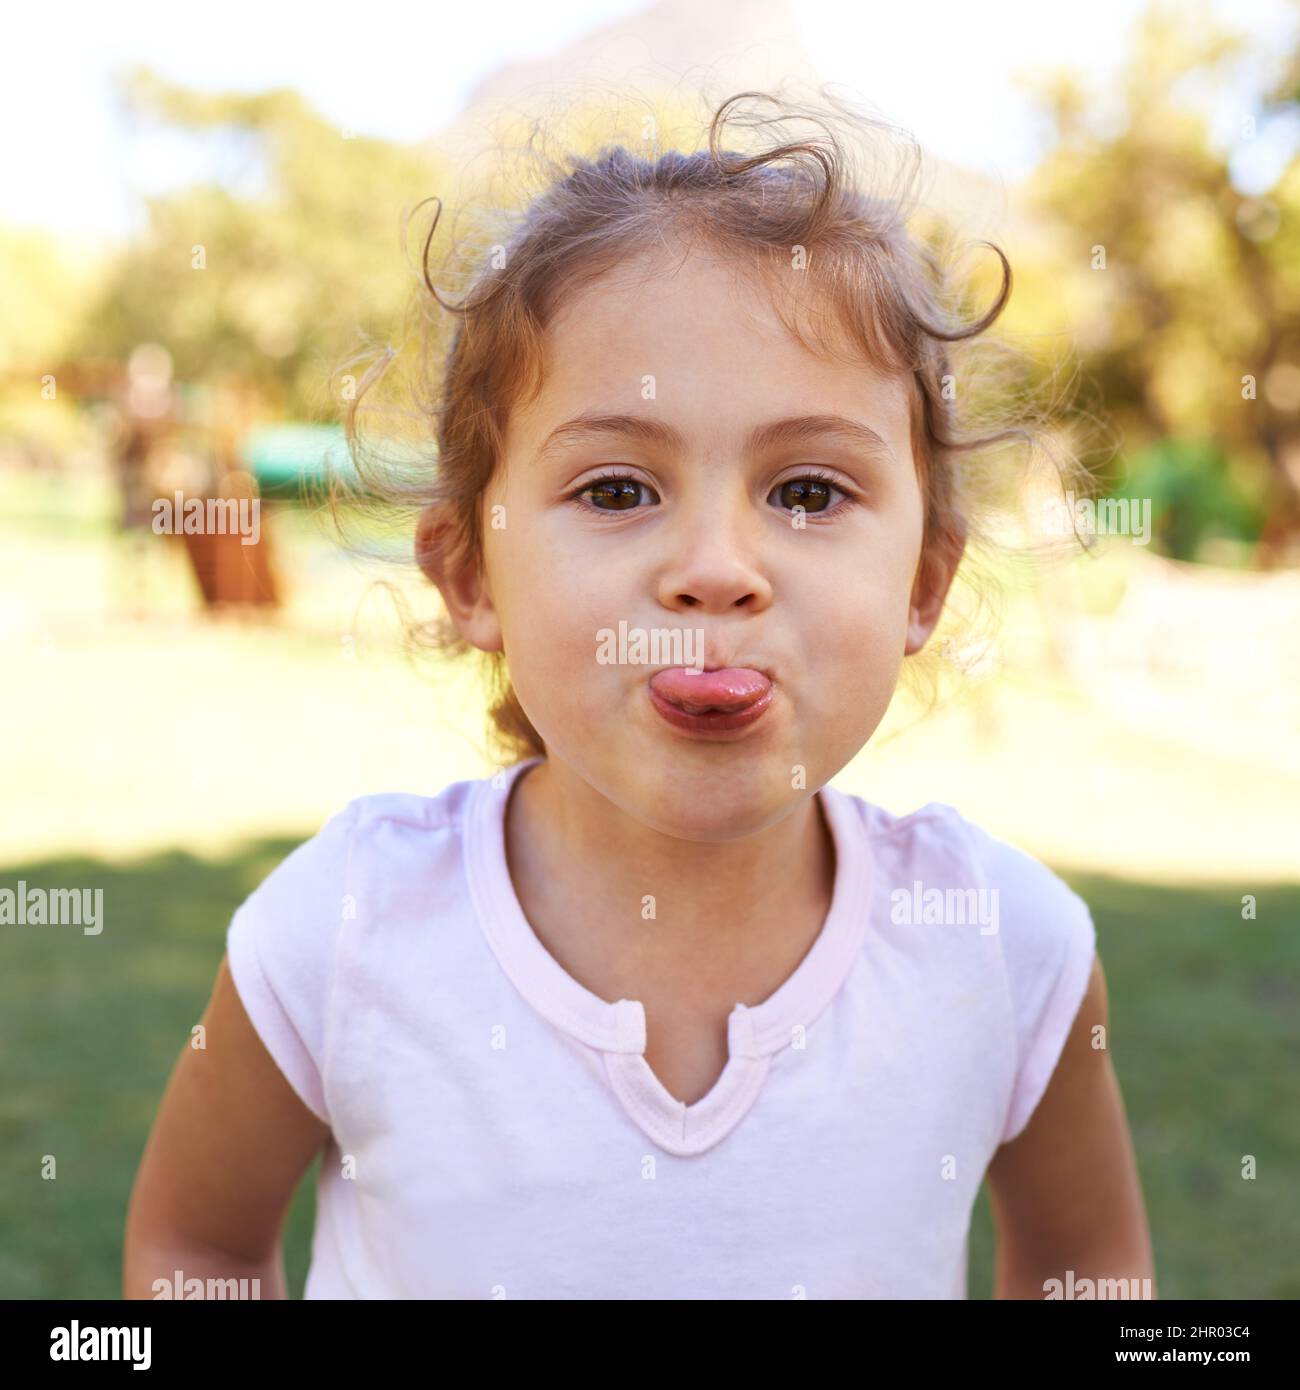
656,1012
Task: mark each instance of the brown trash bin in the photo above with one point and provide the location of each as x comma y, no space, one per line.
228,571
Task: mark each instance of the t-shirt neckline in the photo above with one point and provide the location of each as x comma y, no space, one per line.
754,1033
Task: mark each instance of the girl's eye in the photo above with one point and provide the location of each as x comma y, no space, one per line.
812,492
619,492
616,492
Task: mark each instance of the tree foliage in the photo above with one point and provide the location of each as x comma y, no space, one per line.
1184,290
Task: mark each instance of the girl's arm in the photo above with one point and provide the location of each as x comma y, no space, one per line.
229,1145
1065,1193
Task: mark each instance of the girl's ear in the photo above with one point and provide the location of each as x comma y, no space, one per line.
459,578
934,578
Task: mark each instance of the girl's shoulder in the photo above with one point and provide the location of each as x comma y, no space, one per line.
385,863
965,899
937,842
367,829
389,848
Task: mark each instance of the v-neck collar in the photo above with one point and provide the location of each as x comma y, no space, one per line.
754,1033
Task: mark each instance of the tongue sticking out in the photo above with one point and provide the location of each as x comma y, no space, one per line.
732,688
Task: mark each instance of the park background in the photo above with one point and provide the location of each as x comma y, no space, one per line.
172,728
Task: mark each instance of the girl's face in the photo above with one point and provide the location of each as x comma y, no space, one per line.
682,370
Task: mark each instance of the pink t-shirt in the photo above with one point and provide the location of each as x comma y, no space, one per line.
497,1132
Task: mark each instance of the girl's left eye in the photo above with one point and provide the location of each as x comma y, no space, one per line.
812,491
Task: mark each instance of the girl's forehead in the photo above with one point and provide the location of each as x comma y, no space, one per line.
698,306
725,374
663,275
703,341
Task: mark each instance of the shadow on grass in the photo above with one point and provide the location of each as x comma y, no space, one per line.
1205,1033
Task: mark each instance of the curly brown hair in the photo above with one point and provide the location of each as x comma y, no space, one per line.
787,204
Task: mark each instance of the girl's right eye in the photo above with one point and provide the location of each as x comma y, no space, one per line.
619,490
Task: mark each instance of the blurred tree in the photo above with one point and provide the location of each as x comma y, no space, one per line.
45,283
1184,292
284,262
1192,494
272,286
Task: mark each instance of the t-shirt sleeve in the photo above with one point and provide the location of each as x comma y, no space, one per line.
281,946
1048,942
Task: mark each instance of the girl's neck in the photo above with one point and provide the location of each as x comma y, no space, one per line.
731,919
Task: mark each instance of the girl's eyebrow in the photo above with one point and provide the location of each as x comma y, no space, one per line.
797,429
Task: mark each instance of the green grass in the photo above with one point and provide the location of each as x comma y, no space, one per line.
1205,1034
90,1028
1205,1037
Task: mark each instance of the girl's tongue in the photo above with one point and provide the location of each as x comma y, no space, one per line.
732,688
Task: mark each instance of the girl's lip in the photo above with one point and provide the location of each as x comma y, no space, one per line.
740,696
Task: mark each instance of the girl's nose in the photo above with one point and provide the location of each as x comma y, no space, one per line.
713,559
